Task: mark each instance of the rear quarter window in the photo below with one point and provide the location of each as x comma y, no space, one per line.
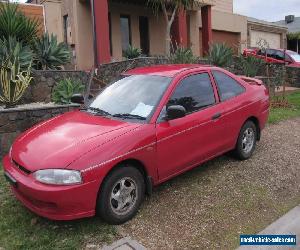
227,86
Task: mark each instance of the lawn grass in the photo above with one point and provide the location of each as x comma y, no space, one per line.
280,114
21,229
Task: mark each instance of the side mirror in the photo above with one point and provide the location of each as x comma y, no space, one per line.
175,112
77,98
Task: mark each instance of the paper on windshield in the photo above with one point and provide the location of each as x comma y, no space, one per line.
142,110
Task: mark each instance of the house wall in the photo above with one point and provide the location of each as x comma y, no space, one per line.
35,12
224,6
53,19
236,24
156,28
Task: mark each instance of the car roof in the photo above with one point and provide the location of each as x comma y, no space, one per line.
168,70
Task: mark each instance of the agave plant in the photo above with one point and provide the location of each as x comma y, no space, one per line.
220,55
132,52
182,56
14,82
14,23
49,54
251,65
13,51
65,89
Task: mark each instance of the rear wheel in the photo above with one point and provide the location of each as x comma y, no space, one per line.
246,141
121,195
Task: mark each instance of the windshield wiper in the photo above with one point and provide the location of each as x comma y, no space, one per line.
129,116
99,111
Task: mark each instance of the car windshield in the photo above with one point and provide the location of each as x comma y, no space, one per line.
295,56
132,97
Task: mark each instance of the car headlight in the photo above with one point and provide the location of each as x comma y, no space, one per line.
58,176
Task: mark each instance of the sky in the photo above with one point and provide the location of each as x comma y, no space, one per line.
269,10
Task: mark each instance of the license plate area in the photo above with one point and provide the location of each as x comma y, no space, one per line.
10,179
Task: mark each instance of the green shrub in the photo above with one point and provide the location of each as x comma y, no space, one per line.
250,65
49,54
132,52
65,89
13,51
15,24
220,55
183,56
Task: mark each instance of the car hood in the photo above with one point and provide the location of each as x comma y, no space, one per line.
60,141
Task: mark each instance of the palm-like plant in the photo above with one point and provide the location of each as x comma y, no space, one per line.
49,54
183,56
13,51
15,24
220,55
132,52
170,8
65,89
251,65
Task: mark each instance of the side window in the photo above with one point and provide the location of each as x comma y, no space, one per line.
194,93
279,55
270,53
227,86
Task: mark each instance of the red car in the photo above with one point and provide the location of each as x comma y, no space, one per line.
275,56
152,124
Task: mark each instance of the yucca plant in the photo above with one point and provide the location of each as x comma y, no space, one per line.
14,82
132,52
65,89
49,54
13,51
15,24
183,56
250,65
220,55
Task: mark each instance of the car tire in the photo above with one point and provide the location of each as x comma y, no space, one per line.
121,195
246,142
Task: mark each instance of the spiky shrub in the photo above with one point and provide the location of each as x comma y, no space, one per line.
14,82
49,54
13,51
183,56
15,24
220,55
65,89
250,65
132,52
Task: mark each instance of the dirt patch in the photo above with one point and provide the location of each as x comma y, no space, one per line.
210,206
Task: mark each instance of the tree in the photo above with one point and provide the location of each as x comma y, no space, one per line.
170,8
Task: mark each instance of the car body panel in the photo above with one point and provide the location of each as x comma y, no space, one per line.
95,145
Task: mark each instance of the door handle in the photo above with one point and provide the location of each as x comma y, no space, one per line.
216,116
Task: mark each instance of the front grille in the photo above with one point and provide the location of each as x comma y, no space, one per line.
26,171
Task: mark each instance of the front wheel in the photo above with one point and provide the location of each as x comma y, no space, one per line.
246,141
121,195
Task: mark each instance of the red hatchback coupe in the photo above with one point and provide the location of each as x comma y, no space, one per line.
277,56
152,124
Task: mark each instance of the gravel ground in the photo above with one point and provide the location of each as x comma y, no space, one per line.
210,206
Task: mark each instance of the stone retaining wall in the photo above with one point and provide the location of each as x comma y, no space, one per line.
16,120
44,80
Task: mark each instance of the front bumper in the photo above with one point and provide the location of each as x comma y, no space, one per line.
53,202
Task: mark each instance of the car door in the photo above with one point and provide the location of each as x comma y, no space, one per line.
184,142
233,103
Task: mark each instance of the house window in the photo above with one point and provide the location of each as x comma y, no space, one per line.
125,32
66,24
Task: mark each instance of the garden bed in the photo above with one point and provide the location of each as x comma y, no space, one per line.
14,121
